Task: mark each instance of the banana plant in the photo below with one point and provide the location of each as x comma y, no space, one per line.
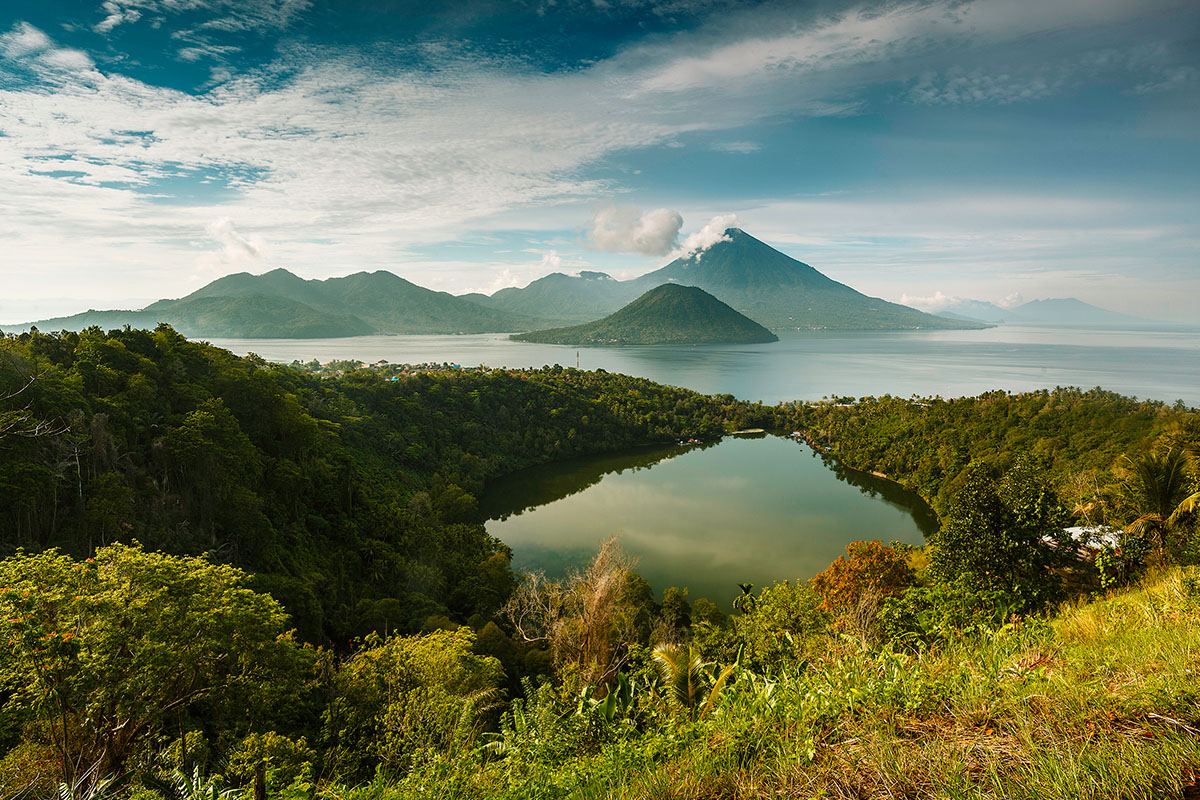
618,699
181,785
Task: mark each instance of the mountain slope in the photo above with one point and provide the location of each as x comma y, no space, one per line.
249,317
255,316
977,310
1053,311
778,291
667,314
562,298
1070,311
280,305
386,302
766,285
107,319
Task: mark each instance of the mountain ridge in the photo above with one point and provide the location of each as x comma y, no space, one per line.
1047,311
281,305
764,284
756,280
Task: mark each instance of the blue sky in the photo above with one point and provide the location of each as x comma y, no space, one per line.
995,149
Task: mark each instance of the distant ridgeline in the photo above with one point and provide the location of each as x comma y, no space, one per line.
351,499
667,314
772,289
1053,311
279,305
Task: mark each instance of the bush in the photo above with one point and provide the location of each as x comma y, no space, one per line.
784,617
853,588
286,759
401,699
1003,538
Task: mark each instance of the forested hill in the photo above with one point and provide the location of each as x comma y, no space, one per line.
667,314
351,499
1082,436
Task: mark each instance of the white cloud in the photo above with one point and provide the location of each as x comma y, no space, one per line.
932,303
224,15
743,148
207,51
335,162
625,229
338,160
1011,300
116,14
23,41
26,45
959,87
237,251
712,232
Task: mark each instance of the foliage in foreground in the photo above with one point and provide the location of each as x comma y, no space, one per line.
894,673
1100,702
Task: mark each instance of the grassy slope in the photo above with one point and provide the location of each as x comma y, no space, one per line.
1099,703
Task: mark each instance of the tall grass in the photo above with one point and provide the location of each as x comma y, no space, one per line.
1102,701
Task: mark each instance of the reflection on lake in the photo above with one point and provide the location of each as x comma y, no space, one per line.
748,509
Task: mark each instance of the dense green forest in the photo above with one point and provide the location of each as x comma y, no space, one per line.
350,499
927,443
232,579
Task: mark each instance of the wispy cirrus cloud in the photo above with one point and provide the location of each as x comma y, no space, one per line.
223,15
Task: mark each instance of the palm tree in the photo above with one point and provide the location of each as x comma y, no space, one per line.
687,678
1161,491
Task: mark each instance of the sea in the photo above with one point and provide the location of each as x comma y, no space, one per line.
1148,363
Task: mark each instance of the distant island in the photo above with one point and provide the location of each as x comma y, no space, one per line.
1051,311
667,314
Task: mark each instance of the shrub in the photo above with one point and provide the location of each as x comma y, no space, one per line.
1003,538
854,586
784,618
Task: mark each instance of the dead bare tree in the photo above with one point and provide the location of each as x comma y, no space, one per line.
21,422
577,616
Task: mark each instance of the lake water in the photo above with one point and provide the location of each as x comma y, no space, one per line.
1158,364
767,509
746,510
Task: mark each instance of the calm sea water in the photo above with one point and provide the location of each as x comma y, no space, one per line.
745,510
1157,364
